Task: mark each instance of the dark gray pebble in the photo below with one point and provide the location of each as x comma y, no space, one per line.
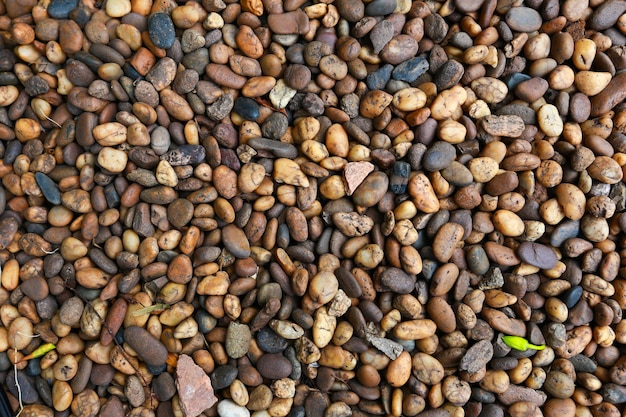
49,189
396,280
279,149
27,386
161,30
380,7
572,296
60,9
378,79
269,341
164,387
246,108
185,155
411,69
565,230
583,363
223,376
523,19
438,156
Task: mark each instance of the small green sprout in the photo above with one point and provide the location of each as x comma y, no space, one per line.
519,343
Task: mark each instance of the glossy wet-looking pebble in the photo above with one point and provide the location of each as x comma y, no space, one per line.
321,209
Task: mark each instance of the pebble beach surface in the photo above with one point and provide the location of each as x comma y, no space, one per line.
291,208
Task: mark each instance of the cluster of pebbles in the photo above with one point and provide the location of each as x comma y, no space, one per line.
277,208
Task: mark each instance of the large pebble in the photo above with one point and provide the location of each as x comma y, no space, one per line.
371,190
235,241
523,19
396,280
149,349
537,255
274,366
161,30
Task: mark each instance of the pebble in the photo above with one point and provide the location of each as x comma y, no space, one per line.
246,108
377,80
410,70
380,35
439,156
269,341
27,387
537,255
223,376
228,408
396,280
371,190
523,19
194,387
238,338
161,30
149,349
606,14
49,188
60,9
274,366
235,241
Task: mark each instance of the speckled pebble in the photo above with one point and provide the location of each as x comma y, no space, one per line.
161,30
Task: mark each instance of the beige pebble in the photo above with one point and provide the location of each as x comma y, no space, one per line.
508,223
113,160
549,120
591,83
166,175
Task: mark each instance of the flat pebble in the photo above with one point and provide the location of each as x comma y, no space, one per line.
537,255
523,19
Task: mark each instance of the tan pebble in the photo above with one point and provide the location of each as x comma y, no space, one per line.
399,370
508,223
415,329
451,131
250,177
176,105
286,329
427,369
288,172
324,327
423,194
584,54
61,395
8,95
490,89
374,103
258,86
572,200
448,103
369,256
323,287
606,170
409,99
549,120
591,83
483,169
166,175
27,129
314,150
337,358
281,94
113,160
446,241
